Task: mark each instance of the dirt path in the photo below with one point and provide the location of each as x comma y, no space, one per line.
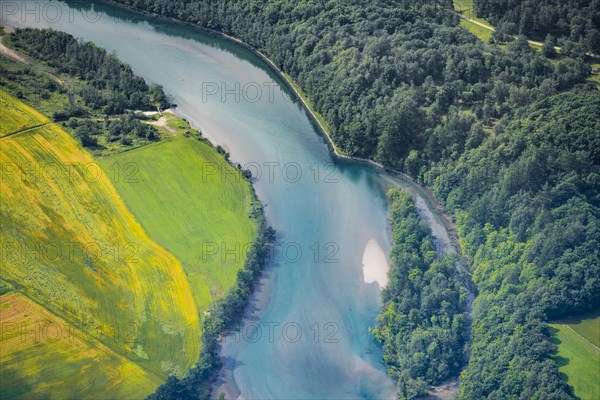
531,42
162,121
492,29
7,28
11,53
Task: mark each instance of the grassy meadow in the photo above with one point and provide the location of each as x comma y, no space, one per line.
468,10
578,355
595,76
192,202
70,244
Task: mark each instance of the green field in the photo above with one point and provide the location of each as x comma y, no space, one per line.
466,8
70,245
589,328
578,355
192,202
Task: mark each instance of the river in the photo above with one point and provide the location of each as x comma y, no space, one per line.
306,333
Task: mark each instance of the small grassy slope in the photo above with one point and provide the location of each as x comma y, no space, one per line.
579,356
467,9
17,116
53,353
595,75
194,203
69,243
479,31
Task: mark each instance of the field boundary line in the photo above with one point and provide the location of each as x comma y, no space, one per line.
24,130
583,337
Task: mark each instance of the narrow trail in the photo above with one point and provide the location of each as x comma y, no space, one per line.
7,51
492,29
162,121
24,130
19,57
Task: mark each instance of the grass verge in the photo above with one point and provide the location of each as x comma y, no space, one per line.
578,355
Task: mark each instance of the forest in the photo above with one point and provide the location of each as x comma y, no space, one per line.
124,129
384,75
505,137
111,86
423,326
574,24
527,203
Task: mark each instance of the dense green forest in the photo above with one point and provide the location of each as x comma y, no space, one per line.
528,208
572,24
111,85
423,327
124,129
500,135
